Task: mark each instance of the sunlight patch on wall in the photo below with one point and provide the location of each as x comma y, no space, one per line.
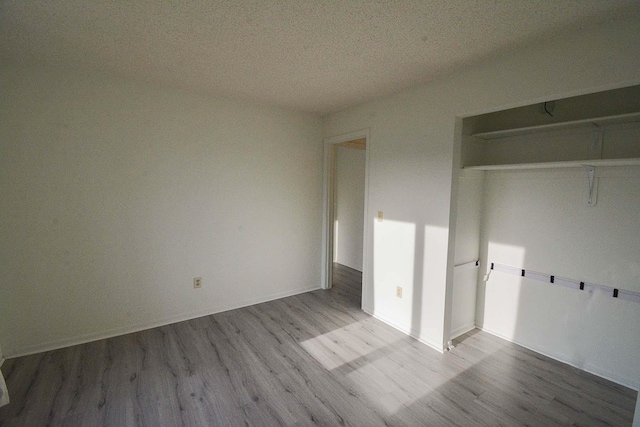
502,291
429,312
393,267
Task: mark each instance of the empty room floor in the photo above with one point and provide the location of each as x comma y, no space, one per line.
310,359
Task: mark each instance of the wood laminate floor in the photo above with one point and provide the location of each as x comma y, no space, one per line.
311,359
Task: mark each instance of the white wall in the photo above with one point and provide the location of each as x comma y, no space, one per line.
465,279
539,220
349,199
411,153
115,195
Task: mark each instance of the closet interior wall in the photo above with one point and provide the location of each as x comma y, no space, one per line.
523,197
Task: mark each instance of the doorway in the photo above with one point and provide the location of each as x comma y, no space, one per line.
343,204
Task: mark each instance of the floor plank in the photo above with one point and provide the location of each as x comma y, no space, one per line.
310,359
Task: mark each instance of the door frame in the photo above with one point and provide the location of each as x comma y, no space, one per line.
328,206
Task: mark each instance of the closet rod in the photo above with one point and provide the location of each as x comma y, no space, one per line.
567,283
467,266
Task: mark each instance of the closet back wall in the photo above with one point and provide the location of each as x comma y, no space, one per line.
539,220
115,195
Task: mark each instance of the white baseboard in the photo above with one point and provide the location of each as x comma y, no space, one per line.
114,332
409,331
462,330
562,358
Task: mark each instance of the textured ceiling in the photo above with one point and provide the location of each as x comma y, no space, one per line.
316,56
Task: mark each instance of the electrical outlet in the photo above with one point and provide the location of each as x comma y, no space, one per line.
197,282
399,291
380,216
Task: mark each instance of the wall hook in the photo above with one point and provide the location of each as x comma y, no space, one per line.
548,107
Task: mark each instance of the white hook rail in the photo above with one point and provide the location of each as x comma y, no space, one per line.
567,283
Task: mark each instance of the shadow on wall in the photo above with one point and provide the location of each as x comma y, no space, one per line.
401,292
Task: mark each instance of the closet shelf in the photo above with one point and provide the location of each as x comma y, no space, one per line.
564,164
575,124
